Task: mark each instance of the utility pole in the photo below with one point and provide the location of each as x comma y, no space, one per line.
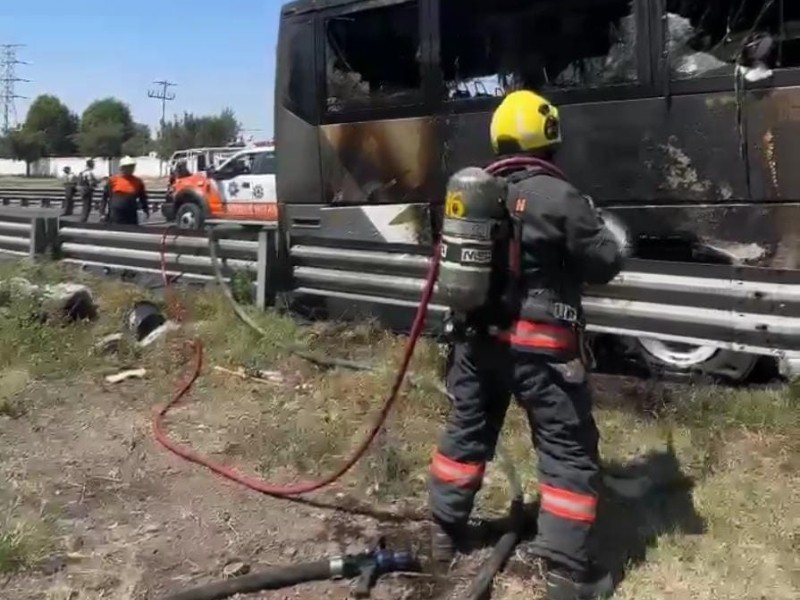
8,83
164,95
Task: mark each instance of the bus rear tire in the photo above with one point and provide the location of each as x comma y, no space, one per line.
189,216
674,360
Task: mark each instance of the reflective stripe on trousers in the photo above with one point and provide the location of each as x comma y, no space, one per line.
542,336
458,474
568,505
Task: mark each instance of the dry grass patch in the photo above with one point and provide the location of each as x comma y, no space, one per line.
719,517
23,542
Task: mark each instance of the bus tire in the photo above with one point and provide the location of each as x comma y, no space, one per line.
673,360
189,215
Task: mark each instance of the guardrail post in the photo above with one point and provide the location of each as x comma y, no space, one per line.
283,267
44,237
267,261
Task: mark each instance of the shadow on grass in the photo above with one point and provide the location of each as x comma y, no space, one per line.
644,500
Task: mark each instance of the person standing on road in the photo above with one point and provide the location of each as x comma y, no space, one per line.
87,183
123,195
70,189
529,343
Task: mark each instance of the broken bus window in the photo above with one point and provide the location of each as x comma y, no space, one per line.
298,86
373,58
707,39
491,47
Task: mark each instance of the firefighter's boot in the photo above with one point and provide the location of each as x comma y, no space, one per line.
446,540
564,584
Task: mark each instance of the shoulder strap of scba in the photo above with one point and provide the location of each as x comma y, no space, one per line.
515,170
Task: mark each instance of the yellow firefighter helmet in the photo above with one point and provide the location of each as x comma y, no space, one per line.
524,122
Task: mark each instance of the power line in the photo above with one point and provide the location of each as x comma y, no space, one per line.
8,83
164,95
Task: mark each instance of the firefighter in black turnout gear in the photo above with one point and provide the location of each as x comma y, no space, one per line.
516,252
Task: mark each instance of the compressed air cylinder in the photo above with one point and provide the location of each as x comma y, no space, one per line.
474,214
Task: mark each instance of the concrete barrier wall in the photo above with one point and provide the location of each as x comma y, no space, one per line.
146,166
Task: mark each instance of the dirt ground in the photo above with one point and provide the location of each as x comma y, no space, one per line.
92,507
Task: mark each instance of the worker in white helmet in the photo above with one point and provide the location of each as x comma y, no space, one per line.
124,194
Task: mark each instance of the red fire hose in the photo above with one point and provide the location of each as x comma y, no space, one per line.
255,483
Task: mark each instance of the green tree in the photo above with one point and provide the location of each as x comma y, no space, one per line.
57,123
191,131
103,139
218,130
141,143
108,110
27,145
105,126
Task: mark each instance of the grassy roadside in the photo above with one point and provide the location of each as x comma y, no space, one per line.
23,542
721,521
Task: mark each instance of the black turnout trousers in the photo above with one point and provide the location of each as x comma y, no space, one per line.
485,373
122,211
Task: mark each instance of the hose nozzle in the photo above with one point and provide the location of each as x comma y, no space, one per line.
371,565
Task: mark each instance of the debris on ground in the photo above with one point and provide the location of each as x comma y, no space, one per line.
158,333
69,301
143,319
259,375
109,344
235,568
125,375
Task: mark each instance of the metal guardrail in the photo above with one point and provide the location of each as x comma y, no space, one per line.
737,308
744,309
186,254
15,235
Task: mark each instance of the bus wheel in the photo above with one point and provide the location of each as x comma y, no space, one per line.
680,360
189,216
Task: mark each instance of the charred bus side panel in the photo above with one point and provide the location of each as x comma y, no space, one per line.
378,101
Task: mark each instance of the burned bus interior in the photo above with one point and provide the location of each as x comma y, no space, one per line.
375,56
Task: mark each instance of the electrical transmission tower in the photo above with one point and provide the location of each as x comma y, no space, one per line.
8,84
164,95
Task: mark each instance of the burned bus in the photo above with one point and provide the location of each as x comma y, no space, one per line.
682,117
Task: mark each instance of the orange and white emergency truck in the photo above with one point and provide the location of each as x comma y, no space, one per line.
199,159
242,188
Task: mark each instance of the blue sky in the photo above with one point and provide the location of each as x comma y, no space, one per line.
80,50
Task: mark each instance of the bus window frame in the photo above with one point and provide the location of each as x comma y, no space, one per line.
644,87
417,107
284,66
781,78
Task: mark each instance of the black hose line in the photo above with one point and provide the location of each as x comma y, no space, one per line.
273,579
320,361
482,583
